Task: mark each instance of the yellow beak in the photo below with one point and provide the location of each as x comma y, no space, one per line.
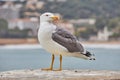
55,18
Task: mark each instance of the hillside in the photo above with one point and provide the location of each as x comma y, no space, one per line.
85,8
73,9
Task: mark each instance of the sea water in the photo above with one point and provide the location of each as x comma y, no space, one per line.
16,57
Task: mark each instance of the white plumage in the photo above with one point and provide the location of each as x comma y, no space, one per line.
45,38
45,33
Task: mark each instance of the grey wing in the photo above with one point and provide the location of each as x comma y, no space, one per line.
66,39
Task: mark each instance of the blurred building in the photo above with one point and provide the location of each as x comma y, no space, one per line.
9,10
102,35
32,8
22,24
83,21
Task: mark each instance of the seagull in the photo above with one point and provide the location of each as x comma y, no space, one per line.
59,41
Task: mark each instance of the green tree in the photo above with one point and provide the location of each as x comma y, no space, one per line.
88,32
114,23
3,27
3,24
101,23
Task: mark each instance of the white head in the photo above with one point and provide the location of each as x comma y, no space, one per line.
48,17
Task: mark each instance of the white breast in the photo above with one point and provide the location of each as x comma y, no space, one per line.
44,37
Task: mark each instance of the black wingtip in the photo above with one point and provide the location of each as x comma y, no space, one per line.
88,54
92,59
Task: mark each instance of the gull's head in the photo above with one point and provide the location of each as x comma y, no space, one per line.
48,17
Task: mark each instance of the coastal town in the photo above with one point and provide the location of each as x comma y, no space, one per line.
19,22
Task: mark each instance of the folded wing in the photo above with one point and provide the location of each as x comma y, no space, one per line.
66,39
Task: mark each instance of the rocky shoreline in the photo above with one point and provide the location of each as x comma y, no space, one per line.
60,75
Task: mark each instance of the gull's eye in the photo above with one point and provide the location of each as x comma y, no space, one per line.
47,15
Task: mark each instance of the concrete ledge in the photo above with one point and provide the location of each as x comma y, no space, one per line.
60,75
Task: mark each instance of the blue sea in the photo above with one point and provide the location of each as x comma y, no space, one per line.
17,57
